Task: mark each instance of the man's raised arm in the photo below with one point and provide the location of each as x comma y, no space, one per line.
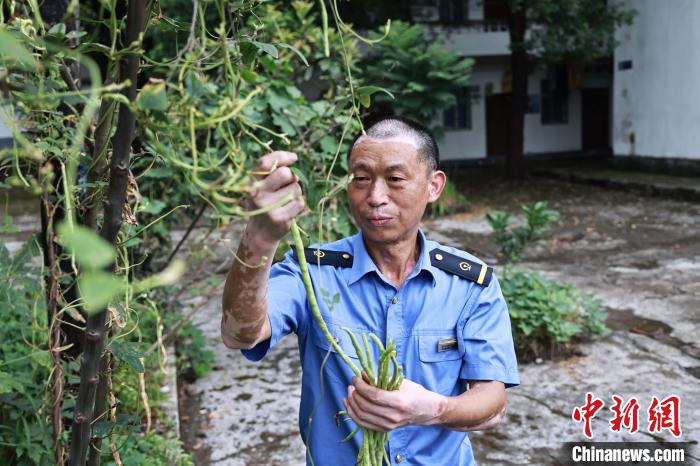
244,322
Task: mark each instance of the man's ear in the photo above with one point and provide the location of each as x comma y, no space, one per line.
437,184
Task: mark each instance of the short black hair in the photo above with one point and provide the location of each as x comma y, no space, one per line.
394,126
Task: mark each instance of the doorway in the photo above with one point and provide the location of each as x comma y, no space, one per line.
497,124
595,118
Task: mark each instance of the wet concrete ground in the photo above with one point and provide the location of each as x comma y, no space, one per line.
639,255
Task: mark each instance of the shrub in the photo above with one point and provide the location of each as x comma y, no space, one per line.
547,316
24,360
513,241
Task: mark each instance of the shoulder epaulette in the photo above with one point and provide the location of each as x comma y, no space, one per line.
474,271
334,258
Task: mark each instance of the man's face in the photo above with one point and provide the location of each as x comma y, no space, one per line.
391,187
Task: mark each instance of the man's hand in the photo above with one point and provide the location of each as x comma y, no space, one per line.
383,410
245,322
482,407
276,183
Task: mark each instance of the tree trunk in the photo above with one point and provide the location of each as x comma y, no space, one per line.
101,410
517,24
68,330
114,202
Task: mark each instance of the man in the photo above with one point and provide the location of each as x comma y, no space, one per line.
442,308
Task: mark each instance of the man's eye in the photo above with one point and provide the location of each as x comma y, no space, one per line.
394,179
360,178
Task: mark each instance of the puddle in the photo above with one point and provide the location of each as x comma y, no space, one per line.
625,320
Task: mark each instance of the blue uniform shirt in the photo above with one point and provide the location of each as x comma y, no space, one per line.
432,305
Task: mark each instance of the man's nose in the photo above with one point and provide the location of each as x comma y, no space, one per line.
377,194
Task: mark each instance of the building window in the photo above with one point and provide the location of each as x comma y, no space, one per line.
443,11
555,97
459,116
496,10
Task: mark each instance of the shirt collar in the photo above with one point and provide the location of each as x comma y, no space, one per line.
363,264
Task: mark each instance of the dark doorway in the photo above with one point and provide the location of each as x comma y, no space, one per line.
497,122
595,118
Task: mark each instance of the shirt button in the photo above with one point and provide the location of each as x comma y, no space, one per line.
398,458
395,300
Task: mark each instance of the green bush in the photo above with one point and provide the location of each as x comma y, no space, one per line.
547,317
25,365
150,449
514,240
25,436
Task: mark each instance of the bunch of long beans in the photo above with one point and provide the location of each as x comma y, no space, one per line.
386,374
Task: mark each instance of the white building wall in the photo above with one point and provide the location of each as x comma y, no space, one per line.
477,40
538,138
657,102
471,144
560,137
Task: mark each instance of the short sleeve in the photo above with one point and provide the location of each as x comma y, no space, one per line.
488,339
286,305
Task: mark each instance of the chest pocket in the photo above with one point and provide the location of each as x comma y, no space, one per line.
441,361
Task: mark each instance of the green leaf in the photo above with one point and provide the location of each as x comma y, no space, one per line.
365,100
329,144
75,34
249,75
269,49
7,226
134,363
90,250
9,384
369,90
130,353
296,51
302,176
42,358
152,206
58,29
152,97
98,288
11,48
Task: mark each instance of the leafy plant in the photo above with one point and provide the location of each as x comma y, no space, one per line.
117,156
414,66
25,362
513,240
193,360
150,449
547,317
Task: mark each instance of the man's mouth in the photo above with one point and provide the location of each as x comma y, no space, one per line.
378,220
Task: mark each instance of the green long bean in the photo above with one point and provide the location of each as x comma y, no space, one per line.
386,374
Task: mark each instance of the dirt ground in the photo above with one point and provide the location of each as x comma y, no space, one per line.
639,255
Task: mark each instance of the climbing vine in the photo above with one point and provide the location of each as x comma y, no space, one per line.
121,135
